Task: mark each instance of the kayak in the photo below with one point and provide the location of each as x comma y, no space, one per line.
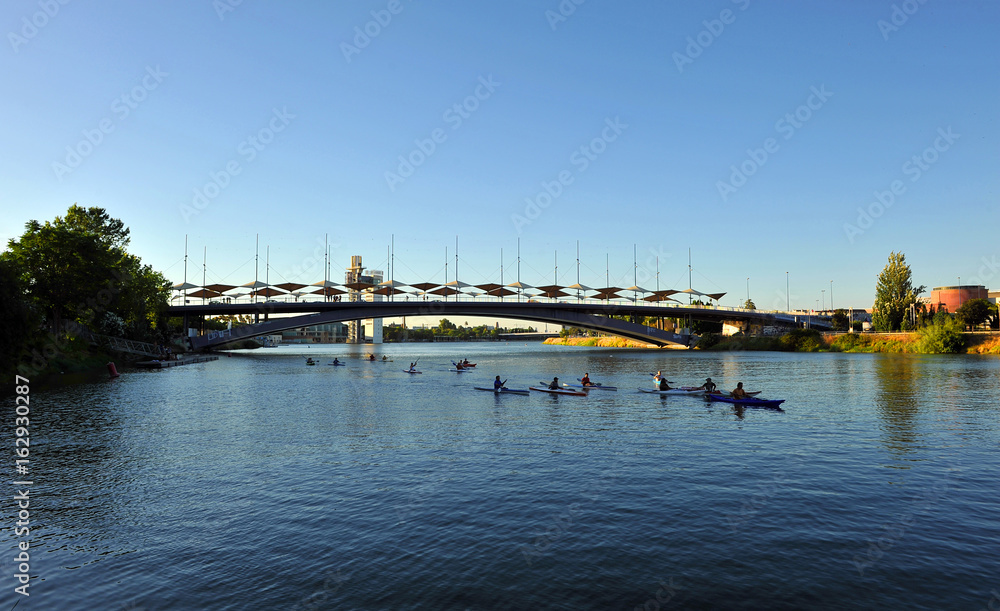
460,370
464,365
718,393
310,363
411,371
503,391
559,391
591,387
337,364
693,392
748,401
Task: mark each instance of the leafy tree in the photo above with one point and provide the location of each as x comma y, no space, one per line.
975,312
749,305
894,293
76,267
839,320
445,325
19,320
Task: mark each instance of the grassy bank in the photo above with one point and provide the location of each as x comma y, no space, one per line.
931,340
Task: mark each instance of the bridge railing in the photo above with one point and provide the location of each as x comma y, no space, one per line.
120,344
567,300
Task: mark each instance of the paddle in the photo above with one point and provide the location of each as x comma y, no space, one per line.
503,385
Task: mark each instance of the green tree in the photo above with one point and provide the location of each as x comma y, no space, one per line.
19,320
839,320
749,305
894,293
445,325
974,312
76,268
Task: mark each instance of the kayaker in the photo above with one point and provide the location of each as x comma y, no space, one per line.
371,357
709,385
497,384
309,361
554,384
459,366
336,361
738,392
385,358
664,385
585,380
413,366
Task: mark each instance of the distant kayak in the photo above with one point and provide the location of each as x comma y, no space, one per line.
337,364
503,391
675,391
748,401
411,371
461,370
559,391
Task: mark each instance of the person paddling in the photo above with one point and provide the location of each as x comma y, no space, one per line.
497,384
336,361
664,385
585,380
708,386
738,392
554,384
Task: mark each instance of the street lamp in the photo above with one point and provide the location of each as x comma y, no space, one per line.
831,295
748,289
787,307
822,293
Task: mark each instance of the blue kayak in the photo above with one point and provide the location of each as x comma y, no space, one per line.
748,401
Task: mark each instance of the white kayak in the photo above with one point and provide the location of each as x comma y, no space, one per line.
460,370
503,391
559,391
676,391
411,371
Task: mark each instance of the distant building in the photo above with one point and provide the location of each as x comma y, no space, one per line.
993,295
950,298
330,333
362,285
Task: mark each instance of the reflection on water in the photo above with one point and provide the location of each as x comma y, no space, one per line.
897,394
258,482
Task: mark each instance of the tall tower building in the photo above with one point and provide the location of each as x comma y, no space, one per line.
361,286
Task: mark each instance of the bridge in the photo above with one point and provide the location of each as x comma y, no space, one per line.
593,316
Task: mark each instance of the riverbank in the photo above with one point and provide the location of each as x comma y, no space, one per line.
807,340
600,342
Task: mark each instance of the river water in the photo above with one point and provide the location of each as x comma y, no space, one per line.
257,482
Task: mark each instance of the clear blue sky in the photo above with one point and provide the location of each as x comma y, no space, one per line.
199,82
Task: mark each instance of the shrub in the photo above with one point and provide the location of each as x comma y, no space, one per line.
942,337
